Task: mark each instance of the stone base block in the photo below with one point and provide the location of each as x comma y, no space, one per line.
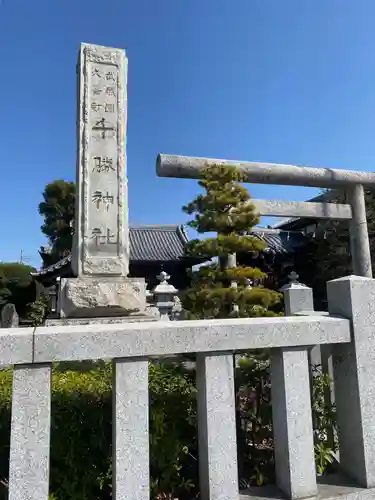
88,297
330,487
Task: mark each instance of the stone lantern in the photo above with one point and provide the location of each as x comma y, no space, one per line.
164,295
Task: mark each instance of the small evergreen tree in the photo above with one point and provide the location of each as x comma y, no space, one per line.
223,289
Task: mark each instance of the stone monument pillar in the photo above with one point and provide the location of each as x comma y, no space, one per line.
100,254
101,239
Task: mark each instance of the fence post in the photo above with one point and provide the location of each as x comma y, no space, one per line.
299,298
353,297
218,472
30,433
130,429
292,423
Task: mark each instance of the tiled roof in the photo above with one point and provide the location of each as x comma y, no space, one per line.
157,243
147,243
54,267
167,243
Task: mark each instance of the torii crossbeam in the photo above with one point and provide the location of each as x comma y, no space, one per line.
186,167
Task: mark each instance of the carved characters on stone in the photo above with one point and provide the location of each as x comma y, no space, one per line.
96,72
100,199
102,237
110,91
106,237
103,164
104,128
111,76
109,107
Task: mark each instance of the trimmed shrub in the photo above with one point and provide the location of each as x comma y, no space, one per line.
81,432
81,450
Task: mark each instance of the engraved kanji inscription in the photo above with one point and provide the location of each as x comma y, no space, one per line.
103,164
103,237
105,128
96,107
100,199
101,246
111,76
110,91
109,108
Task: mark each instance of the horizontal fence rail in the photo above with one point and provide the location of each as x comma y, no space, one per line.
89,342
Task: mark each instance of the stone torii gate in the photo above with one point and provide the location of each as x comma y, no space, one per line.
185,167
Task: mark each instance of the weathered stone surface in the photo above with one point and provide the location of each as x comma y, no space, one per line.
16,346
88,297
278,208
163,338
30,433
130,444
101,240
217,441
188,167
297,297
292,423
331,487
9,316
111,320
359,239
354,376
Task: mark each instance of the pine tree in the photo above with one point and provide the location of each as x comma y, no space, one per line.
223,289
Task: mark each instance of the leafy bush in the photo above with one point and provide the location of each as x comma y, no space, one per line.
255,413
81,429
81,464
17,286
38,310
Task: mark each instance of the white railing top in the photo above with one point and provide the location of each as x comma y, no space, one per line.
161,339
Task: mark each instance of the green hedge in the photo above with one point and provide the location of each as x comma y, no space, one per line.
81,467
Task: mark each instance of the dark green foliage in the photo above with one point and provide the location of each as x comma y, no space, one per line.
38,310
225,209
255,411
81,446
173,442
81,449
255,414
17,286
327,255
58,208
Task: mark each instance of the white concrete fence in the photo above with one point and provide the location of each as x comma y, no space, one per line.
350,330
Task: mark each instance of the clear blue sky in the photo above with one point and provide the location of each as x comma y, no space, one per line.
286,81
